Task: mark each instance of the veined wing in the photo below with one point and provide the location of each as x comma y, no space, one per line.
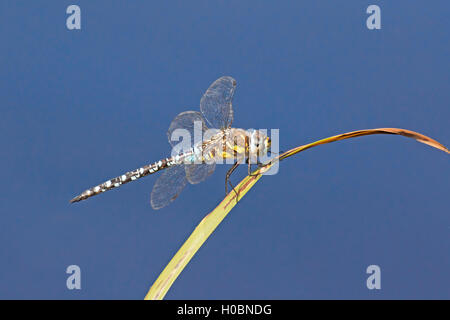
216,103
168,186
210,151
196,173
188,121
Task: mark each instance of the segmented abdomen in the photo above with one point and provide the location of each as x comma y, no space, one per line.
130,176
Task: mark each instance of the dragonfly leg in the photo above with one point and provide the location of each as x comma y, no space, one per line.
227,179
260,165
249,167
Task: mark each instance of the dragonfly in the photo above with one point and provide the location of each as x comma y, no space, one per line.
196,163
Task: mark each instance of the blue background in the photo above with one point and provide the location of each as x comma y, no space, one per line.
80,107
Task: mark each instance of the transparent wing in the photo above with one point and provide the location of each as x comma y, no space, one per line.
189,121
196,173
216,103
168,186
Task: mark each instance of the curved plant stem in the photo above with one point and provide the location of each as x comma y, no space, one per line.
210,222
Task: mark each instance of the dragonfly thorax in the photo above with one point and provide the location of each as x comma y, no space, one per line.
235,145
259,144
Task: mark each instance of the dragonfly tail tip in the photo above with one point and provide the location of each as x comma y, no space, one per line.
76,199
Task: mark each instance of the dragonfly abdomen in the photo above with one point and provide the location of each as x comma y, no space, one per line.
129,176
